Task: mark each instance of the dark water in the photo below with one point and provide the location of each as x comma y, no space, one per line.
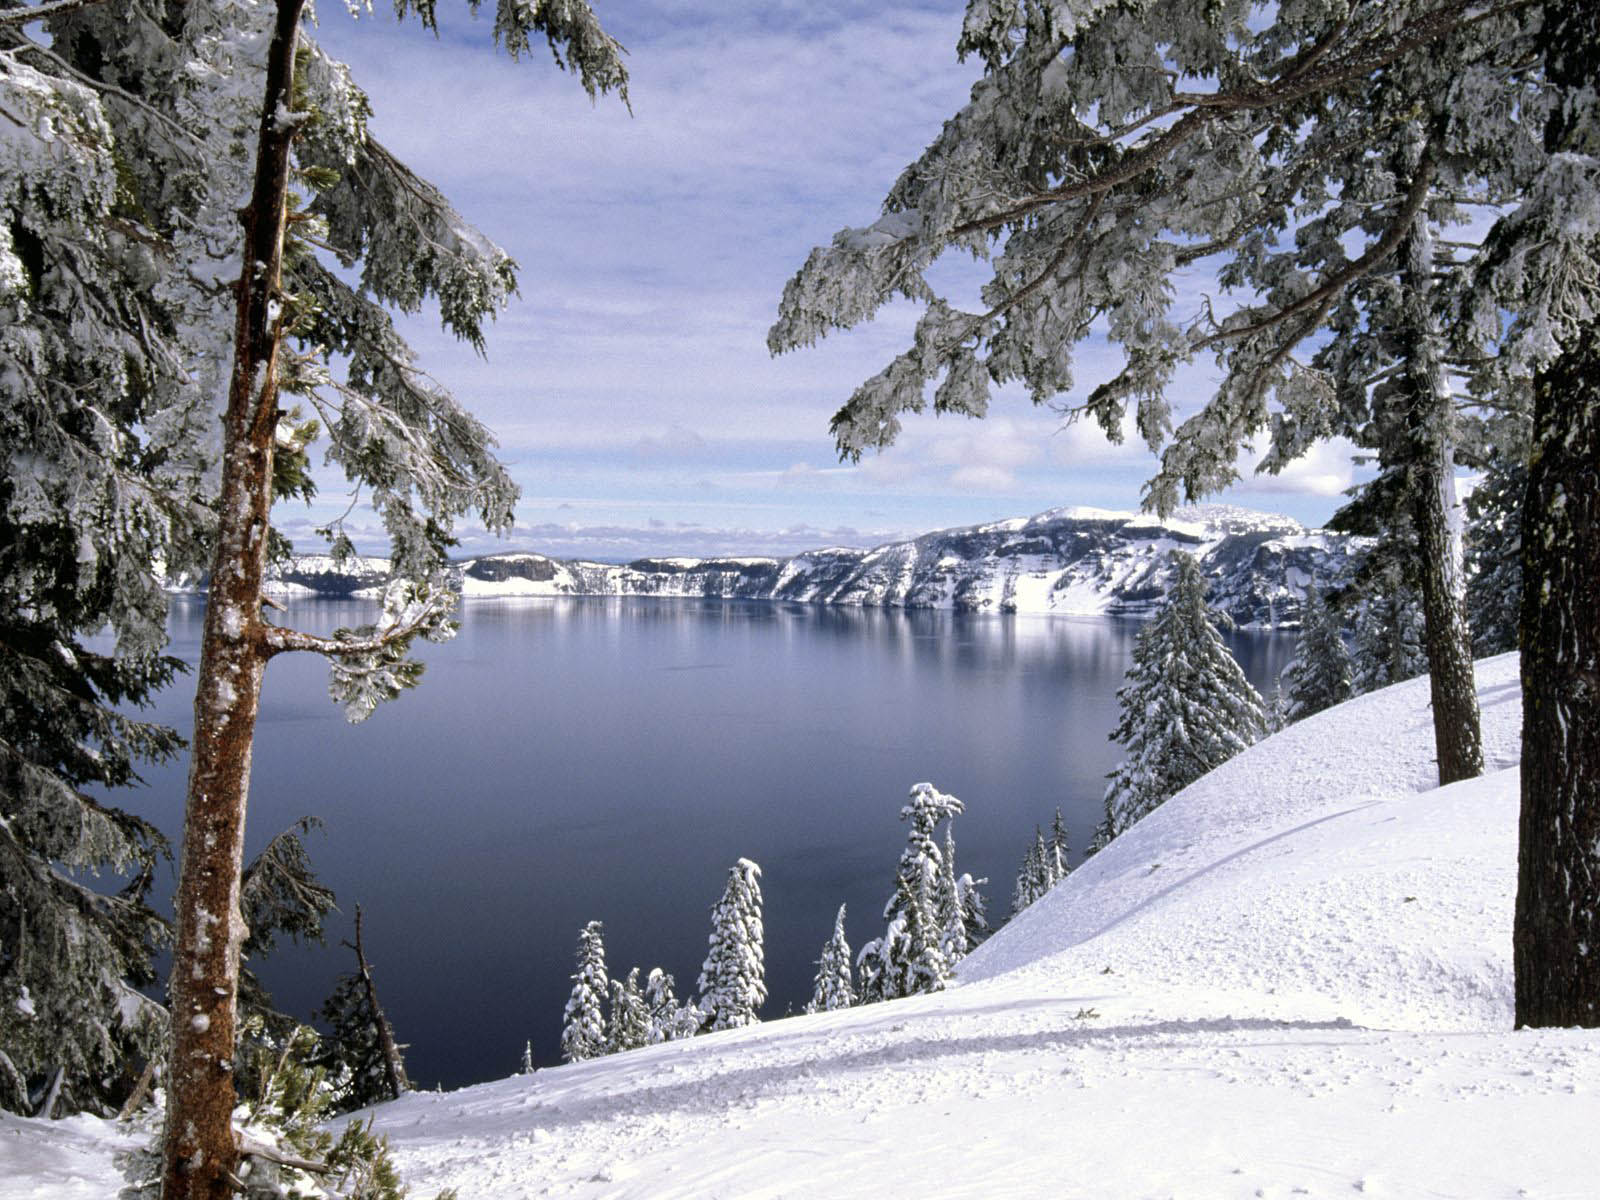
608,759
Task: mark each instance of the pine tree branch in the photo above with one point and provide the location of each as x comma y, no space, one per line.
1300,82
277,640
39,12
1319,298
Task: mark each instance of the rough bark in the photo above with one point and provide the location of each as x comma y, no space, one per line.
394,1068
1557,932
1430,472
1556,936
200,1149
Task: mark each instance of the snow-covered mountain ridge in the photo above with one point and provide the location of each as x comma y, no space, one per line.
1291,980
1068,560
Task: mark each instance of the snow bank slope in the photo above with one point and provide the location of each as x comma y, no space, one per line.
1291,980
1323,861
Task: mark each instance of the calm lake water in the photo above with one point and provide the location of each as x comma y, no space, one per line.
608,759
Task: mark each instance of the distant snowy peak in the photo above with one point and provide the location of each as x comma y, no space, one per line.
1068,560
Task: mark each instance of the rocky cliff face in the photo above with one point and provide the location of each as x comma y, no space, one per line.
1084,561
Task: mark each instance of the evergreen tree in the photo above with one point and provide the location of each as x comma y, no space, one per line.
911,956
974,912
527,1059
670,1021
833,987
1033,877
629,1027
72,959
1494,556
1359,129
1388,640
1320,674
360,1053
583,1028
1277,706
311,293
733,979
1186,707
955,941
1060,852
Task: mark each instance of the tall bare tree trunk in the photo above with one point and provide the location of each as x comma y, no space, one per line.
1556,937
200,1151
394,1067
1430,480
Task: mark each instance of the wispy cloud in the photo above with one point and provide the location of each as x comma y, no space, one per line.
632,375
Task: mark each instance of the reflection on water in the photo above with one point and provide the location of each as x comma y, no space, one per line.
608,758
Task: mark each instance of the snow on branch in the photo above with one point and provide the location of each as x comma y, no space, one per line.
40,12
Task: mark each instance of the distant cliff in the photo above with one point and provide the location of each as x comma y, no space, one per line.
1070,560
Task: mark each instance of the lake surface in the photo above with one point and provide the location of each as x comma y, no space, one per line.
568,760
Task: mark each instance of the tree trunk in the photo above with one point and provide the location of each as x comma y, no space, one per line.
1556,938
1430,477
394,1067
1557,933
200,1150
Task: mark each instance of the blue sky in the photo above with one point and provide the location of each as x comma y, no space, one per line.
630,385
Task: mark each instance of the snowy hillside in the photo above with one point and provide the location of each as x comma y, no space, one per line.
1070,560
1291,980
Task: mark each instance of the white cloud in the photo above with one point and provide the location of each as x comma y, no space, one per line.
1324,470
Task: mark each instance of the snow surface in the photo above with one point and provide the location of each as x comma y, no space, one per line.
1293,979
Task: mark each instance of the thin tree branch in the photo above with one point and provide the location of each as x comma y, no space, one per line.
1321,297
1370,54
21,16
277,640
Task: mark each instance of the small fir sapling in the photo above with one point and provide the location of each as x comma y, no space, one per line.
1494,556
732,983
670,1021
954,941
1320,674
1387,646
1186,707
909,957
361,1051
629,1026
1060,856
974,912
1037,875
833,987
583,1028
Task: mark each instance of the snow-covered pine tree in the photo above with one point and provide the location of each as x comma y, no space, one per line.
833,987
733,982
360,1053
629,1026
1109,147
955,939
72,960
583,1024
1060,855
104,439
1186,706
913,957
1494,555
974,912
1320,674
670,1021
1030,875
527,1059
311,292
1387,645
